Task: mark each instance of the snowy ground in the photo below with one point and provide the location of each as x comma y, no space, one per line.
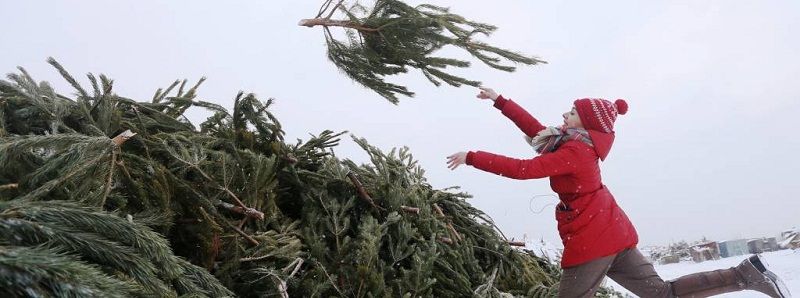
785,263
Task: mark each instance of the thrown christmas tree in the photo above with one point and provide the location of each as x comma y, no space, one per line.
392,36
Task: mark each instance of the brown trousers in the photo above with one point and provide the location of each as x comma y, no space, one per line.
628,268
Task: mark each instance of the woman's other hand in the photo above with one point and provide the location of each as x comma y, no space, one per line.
487,93
455,160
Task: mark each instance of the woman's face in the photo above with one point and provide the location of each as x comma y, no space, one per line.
572,120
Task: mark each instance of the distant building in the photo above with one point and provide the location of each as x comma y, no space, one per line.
786,234
669,259
733,248
760,245
704,252
791,239
772,244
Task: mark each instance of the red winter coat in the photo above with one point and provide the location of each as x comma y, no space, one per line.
590,223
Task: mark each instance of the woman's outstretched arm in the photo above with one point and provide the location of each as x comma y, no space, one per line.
529,125
561,162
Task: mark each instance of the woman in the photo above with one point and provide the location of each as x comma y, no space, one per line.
598,237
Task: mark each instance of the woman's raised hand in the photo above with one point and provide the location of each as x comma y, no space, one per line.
487,93
455,160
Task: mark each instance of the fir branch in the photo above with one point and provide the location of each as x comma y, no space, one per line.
160,95
84,100
91,247
68,77
182,157
324,8
9,186
99,237
335,7
517,243
39,271
392,36
407,209
440,213
335,23
249,212
362,193
95,85
245,235
203,279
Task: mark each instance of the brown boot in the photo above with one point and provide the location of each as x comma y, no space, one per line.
751,274
767,282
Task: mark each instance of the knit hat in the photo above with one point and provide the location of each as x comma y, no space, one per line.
599,114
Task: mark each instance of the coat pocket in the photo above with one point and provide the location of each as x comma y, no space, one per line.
565,218
564,215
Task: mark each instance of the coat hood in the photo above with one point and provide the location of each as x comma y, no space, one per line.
602,142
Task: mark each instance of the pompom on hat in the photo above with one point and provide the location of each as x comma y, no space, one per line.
599,114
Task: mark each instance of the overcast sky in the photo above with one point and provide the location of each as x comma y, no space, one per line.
706,149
